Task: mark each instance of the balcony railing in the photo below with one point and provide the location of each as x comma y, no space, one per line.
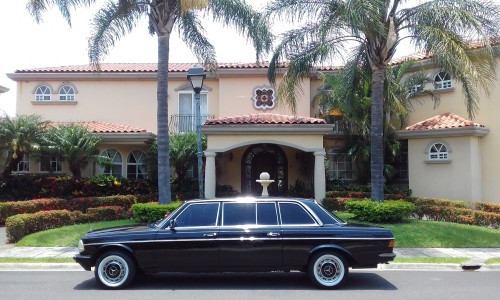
185,123
341,127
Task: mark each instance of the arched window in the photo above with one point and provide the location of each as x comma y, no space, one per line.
42,93
442,80
114,166
438,151
66,93
136,165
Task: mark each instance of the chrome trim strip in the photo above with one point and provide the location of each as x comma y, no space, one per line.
242,239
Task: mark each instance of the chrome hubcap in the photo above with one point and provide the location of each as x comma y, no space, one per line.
329,270
113,270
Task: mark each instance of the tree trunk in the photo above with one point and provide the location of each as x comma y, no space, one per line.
75,170
11,166
377,135
164,189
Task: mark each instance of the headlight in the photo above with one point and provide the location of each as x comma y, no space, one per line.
81,247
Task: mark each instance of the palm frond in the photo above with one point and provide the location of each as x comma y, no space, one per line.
111,23
241,16
37,7
192,33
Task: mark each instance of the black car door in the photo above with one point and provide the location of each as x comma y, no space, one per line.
299,231
250,235
191,245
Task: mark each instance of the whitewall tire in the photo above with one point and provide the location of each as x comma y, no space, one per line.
114,270
328,270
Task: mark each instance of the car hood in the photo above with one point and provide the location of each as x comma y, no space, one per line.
114,231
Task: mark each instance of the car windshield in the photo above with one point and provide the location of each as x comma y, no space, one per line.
325,216
161,222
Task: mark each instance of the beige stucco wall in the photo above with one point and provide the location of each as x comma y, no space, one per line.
133,101
487,115
457,178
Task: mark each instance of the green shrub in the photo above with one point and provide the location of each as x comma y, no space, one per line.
34,186
460,215
8,209
21,225
487,207
107,213
388,211
152,212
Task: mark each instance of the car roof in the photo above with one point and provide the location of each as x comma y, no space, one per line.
247,199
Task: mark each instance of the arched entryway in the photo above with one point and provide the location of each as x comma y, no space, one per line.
260,158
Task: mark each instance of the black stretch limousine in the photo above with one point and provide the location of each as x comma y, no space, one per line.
235,235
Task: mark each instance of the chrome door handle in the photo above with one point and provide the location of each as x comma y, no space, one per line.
210,234
273,234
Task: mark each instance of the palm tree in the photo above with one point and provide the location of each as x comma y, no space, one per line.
183,152
20,136
118,17
74,143
372,31
353,106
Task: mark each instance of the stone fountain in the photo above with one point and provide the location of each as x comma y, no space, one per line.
265,181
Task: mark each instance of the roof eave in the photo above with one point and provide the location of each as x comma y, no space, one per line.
267,129
127,137
445,132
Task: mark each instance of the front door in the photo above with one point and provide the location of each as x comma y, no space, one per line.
264,158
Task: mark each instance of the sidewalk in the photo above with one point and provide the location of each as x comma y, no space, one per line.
477,255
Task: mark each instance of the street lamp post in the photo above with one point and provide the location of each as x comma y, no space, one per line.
196,75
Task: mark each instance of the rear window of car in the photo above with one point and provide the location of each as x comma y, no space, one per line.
294,214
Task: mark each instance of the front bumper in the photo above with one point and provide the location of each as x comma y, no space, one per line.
85,261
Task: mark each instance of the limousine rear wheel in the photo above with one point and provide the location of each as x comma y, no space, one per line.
328,270
114,270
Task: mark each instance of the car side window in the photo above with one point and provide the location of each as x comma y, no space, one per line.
294,214
266,214
201,214
238,214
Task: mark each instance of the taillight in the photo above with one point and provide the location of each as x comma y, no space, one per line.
392,243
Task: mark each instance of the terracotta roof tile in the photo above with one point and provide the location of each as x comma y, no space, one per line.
476,44
103,127
264,118
149,68
444,121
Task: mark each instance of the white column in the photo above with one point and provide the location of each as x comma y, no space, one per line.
319,175
210,180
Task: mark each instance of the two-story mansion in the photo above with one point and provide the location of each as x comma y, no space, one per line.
249,132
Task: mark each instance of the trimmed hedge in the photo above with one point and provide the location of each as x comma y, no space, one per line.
21,225
385,212
8,209
152,212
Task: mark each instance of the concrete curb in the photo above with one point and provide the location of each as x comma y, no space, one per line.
40,267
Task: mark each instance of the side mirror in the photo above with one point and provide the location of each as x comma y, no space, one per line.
171,224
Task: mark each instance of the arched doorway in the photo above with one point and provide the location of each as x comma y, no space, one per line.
264,158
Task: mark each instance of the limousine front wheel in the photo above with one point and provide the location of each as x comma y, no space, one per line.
114,270
328,270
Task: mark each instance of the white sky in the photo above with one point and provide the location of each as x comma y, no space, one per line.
26,44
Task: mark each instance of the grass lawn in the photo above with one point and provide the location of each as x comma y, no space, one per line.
48,260
431,260
493,261
431,234
67,236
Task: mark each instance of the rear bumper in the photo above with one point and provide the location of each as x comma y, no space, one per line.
386,257
85,261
